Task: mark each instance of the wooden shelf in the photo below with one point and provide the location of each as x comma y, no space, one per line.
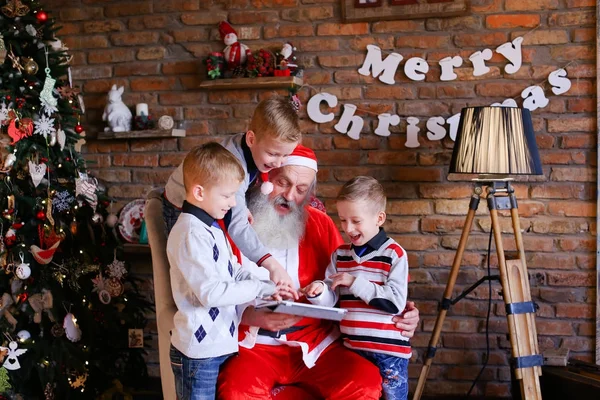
268,82
155,133
136,248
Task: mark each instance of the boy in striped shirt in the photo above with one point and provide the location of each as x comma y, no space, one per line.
369,277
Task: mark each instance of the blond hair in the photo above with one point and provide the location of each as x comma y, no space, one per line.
276,118
363,188
210,164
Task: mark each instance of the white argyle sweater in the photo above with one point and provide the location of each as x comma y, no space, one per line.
207,283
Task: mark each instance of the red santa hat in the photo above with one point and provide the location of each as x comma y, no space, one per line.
302,156
225,29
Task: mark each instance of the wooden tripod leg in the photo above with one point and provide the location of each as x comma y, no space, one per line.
526,337
514,213
435,337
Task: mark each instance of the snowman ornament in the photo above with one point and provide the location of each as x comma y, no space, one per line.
23,271
12,361
235,52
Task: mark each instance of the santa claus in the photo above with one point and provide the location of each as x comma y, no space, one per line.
278,353
235,52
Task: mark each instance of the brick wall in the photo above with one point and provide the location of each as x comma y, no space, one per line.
155,49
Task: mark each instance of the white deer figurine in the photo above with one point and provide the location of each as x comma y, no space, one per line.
116,113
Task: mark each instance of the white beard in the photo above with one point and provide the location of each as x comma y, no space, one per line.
274,230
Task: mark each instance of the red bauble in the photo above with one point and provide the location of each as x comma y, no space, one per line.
41,16
78,128
40,215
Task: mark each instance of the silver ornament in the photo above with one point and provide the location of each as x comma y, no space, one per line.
23,335
23,271
10,160
97,218
52,138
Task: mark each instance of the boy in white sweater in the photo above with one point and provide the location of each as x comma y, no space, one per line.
206,277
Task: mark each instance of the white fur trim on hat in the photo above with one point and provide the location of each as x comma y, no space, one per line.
302,161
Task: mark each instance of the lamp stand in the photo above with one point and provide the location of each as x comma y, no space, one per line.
513,277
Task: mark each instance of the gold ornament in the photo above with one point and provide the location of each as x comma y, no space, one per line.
14,8
15,61
30,66
114,287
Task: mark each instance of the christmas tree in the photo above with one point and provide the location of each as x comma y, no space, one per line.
68,307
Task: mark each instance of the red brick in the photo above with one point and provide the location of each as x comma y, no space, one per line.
442,224
135,160
113,175
81,73
103,26
503,90
110,56
575,18
578,141
383,92
484,39
339,61
152,176
580,279
560,226
230,96
152,84
128,191
307,14
391,158
149,22
80,14
579,244
257,17
518,5
128,39
573,174
68,28
133,69
453,24
336,29
541,37
507,21
583,35
151,53
574,311
124,10
204,18
409,207
103,85
178,5
177,98
423,42
317,45
551,261
154,145
564,53
171,159
397,26
98,160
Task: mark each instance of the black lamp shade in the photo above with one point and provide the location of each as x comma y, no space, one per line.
495,141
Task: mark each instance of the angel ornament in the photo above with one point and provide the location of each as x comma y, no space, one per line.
12,362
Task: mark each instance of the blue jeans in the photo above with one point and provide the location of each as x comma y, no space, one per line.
195,378
394,374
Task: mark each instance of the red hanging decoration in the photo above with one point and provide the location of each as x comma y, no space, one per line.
41,16
40,215
78,128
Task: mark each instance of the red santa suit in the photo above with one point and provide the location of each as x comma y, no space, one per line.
310,358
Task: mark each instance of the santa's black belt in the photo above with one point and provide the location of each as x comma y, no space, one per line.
278,334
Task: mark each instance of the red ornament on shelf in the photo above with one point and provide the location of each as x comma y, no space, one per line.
78,128
40,215
41,16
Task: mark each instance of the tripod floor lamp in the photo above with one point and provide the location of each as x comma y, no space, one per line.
494,144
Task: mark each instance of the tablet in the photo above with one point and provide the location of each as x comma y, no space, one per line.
303,309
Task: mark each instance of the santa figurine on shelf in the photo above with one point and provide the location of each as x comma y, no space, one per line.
287,58
235,52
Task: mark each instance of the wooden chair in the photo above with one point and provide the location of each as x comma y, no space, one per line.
163,298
